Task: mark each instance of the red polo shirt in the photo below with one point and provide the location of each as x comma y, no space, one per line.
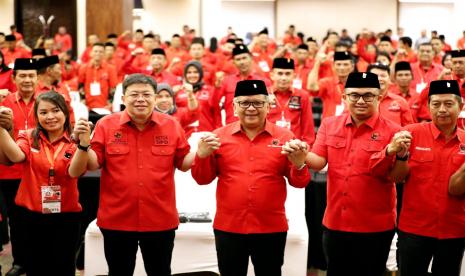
257,204
302,71
65,41
36,168
360,196
137,183
23,115
294,106
428,209
227,89
330,92
105,74
9,57
422,76
6,81
396,109
209,109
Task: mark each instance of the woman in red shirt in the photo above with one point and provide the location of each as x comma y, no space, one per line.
48,197
6,81
210,113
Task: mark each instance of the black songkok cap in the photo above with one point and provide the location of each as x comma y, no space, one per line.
112,35
457,53
158,51
362,80
47,61
38,52
264,31
303,46
250,88
25,64
402,66
10,38
385,38
444,87
342,55
240,49
283,63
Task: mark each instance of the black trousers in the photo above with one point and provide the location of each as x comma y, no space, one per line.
52,243
266,251
315,205
363,253
416,253
9,188
89,188
121,249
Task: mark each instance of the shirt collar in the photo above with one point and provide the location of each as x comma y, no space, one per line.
436,133
236,128
371,122
125,118
65,137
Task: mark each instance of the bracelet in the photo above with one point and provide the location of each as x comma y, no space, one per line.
302,166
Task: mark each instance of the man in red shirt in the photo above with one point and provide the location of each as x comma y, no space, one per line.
91,40
97,79
391,106
437,49
137,204
425,70
142,60
115,60
360,215
432,220
330,89
11,52
158,68
402,78
290,107
263,49
250,219
303,66
243,62
22,105
461,42
63,40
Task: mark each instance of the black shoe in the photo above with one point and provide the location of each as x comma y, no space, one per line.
16,270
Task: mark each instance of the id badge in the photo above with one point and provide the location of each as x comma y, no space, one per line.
95,89
284,124
51,199
195,124
149,68
297,83
264,66
420,87
339,109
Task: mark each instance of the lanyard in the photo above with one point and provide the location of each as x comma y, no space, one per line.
51,161
22,111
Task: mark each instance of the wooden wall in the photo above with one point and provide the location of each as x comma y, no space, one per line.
108,16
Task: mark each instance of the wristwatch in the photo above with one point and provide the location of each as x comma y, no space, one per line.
404,158
83,148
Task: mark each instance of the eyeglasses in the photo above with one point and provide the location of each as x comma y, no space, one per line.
368,97
144,95
246,104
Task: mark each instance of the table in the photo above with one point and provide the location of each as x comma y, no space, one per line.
194,246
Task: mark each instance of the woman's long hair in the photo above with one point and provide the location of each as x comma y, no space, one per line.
57,99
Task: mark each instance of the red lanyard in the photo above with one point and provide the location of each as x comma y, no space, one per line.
22,111
51,161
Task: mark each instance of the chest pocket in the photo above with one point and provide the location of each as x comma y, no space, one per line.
336,147
368,148
163,157
117,150
421,164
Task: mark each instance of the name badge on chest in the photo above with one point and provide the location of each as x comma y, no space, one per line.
95,89
51,199
294,102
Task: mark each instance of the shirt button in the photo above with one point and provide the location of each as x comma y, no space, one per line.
251,158
344,193
250,173
344,208
141,184
140,167
140,150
